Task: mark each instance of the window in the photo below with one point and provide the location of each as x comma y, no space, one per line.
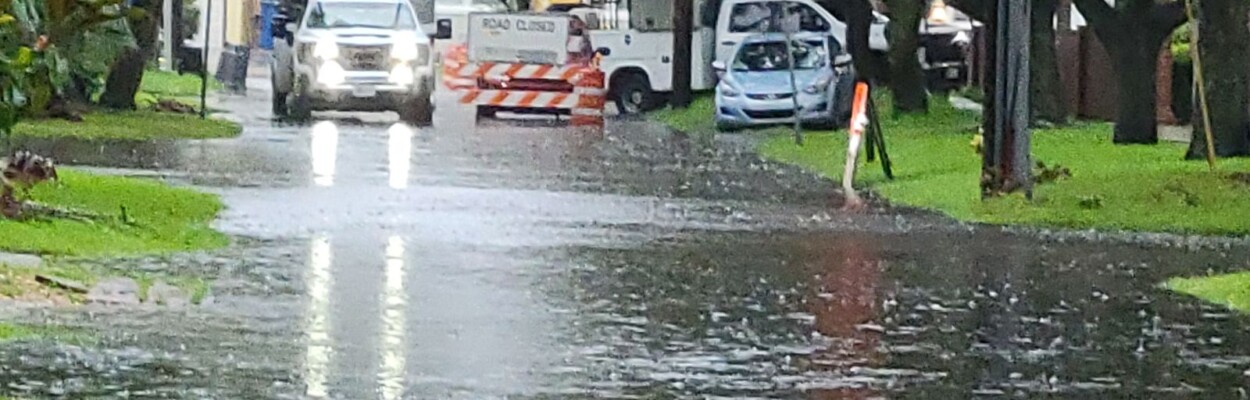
771,56
361,15
772,16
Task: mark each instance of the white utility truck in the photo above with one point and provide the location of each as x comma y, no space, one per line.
639,36
357,55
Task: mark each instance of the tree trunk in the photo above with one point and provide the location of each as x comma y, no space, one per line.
126,73
858,23
1225,55
1046,87
1132,34
1135,63
907,81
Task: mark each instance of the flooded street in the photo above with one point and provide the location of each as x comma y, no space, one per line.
526,259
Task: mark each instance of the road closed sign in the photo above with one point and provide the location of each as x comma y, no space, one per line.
518,38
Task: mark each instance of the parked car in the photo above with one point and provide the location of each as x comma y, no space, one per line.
755,88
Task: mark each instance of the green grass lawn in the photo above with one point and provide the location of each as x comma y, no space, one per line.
159,219
11,332
1231,290
1140,188
170,84
135,125
184,89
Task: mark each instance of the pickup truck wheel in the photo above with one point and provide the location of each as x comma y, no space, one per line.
299,109
417,111
632,94
279,104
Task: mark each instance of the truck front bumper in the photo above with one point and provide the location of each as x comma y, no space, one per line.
368,92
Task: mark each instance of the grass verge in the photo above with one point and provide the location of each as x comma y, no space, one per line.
1231,290
19,283
13,332
138,216
1138,188
131,125
170,84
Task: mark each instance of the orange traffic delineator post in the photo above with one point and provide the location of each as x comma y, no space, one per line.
859,122
591,98
864,124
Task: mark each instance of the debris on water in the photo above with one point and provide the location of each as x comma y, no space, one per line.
114,291
164,294
62,283
870,328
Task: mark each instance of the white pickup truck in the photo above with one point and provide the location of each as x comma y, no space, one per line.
357,55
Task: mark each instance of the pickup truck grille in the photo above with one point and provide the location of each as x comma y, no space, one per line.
366,58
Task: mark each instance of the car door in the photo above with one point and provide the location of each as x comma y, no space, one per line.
742,18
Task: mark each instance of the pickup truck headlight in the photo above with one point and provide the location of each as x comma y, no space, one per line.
331,74
405,50
326,49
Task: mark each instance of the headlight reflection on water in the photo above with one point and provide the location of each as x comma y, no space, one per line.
399,152
325,144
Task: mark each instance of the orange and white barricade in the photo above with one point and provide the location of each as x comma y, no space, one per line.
591,97
579,88
455,61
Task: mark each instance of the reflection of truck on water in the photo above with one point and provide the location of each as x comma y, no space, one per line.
355,55
639,35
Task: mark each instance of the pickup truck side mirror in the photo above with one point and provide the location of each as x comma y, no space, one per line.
279,26
603,51
442,30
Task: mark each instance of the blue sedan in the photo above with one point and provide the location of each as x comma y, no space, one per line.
755,88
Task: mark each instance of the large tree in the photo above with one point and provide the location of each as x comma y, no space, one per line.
857,14
1225,54
1132,32
126,73
906,76
1046,95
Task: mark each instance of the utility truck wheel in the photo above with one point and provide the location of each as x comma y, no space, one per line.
486,112
299,109
632,94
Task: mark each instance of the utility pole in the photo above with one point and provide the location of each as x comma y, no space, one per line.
1006,166
683,28
167,35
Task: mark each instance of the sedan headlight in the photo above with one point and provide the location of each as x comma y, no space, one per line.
727,90
819,86
326,49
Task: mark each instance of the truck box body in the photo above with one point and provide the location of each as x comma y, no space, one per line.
518,38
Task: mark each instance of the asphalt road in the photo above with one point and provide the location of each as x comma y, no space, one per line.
526,259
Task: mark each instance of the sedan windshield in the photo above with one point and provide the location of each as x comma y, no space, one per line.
771,56
361,15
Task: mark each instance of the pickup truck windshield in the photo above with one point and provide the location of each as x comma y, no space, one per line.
771,56
361,15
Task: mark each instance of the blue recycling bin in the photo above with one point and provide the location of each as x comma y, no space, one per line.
268,9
